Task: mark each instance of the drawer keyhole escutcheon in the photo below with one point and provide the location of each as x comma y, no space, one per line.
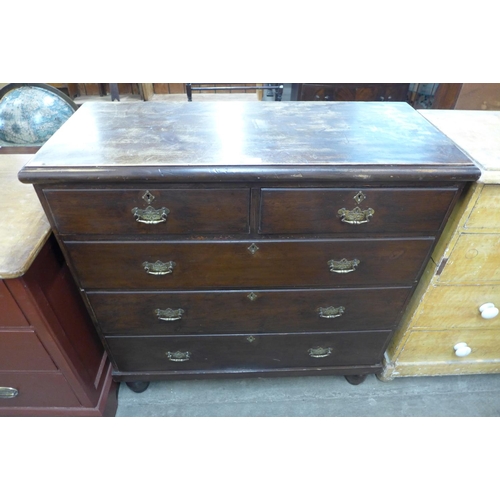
253,248
8,392
148,197
169,314
179,356
252,296
360,197
331,312
150,215
343,266
319,352
159,268
356,215
251,338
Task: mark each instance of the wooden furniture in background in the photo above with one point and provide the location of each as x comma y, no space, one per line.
51,360
464,272
351,91
264,240
479,96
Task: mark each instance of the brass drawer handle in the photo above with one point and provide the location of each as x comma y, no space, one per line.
159,268
356,215
150,215
179,356
8,392
331,312
343,266
319,352
169,314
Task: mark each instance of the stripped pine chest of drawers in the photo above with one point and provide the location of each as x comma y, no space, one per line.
247,239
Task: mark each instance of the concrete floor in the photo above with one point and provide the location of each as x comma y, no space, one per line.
326,396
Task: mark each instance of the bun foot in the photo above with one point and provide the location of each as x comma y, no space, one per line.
355,379
138,386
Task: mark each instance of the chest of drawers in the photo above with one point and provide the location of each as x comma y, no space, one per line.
247,239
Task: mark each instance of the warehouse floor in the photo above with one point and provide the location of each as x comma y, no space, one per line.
326,396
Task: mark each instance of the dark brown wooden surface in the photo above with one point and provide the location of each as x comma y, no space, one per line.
237,352
245,141
235,312
316,210
279,263
353,91
109,212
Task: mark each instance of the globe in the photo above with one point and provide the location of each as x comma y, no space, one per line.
32,114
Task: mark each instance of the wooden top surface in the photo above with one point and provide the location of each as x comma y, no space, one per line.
241,141
24,227
477,133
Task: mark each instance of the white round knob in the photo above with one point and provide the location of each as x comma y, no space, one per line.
488,310
462,349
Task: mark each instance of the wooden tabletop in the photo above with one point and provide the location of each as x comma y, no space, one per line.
233,141
475,132
23,227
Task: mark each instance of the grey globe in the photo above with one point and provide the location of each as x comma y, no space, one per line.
31,114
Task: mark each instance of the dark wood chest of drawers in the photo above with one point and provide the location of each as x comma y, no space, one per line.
238,239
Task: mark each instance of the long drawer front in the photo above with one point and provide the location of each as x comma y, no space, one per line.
285,263
247,352
173,313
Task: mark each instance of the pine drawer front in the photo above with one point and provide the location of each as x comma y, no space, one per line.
448,307
247,352
438,346
22,350
475,259
174,313
198,265
486,212
35,389
306,211
150,212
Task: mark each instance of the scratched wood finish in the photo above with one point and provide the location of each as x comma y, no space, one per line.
253,352
247,311
247,141
199,264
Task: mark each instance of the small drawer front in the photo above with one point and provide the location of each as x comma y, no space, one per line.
198,265
447,307
474,260
173,313
486,212
150,212
247,352
438,346
35,389
22,350
323,211
11,314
